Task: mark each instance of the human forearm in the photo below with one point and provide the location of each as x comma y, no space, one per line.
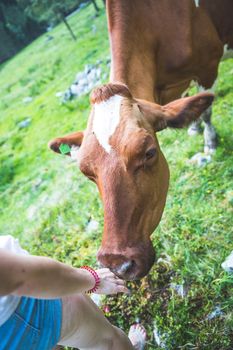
42,277
51,279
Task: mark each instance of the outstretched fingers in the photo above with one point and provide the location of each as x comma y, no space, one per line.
110,283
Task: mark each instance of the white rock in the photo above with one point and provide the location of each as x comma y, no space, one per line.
158,337
90,86
24,123
179,289
98,72
59,94
200,159
80,90
88,68
92,226
215,313
27,99
74,89
79,76
227,265
82,82
91,75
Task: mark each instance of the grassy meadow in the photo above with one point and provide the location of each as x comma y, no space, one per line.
47,203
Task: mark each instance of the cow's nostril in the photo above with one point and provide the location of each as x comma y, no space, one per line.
124,268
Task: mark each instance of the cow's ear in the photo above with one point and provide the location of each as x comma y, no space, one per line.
176,114
182,112
65,144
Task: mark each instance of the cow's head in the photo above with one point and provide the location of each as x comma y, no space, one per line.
119,151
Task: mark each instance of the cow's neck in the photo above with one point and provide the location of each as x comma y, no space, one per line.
138,79
222,19
132,61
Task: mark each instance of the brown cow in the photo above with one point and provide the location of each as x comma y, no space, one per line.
157,48
120,153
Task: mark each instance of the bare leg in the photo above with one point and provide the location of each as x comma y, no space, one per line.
210,137
85,327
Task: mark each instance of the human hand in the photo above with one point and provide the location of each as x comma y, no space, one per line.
110,283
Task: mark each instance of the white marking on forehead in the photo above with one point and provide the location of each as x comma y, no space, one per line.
197,3
106,119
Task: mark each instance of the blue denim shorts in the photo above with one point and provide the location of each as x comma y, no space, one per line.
35,325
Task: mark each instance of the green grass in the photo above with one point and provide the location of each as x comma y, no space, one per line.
47,202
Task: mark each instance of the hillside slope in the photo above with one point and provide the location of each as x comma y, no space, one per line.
48,204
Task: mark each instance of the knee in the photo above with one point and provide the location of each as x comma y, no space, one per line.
118,334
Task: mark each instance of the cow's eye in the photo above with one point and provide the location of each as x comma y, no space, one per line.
151,153
148,160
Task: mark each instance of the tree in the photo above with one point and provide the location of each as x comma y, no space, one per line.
21,21
95,5
16,28
51,11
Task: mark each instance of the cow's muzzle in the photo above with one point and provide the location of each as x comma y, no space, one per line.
129,263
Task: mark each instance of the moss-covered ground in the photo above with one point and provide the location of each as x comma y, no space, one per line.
47,203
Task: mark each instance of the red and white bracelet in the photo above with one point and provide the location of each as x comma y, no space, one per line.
96,277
